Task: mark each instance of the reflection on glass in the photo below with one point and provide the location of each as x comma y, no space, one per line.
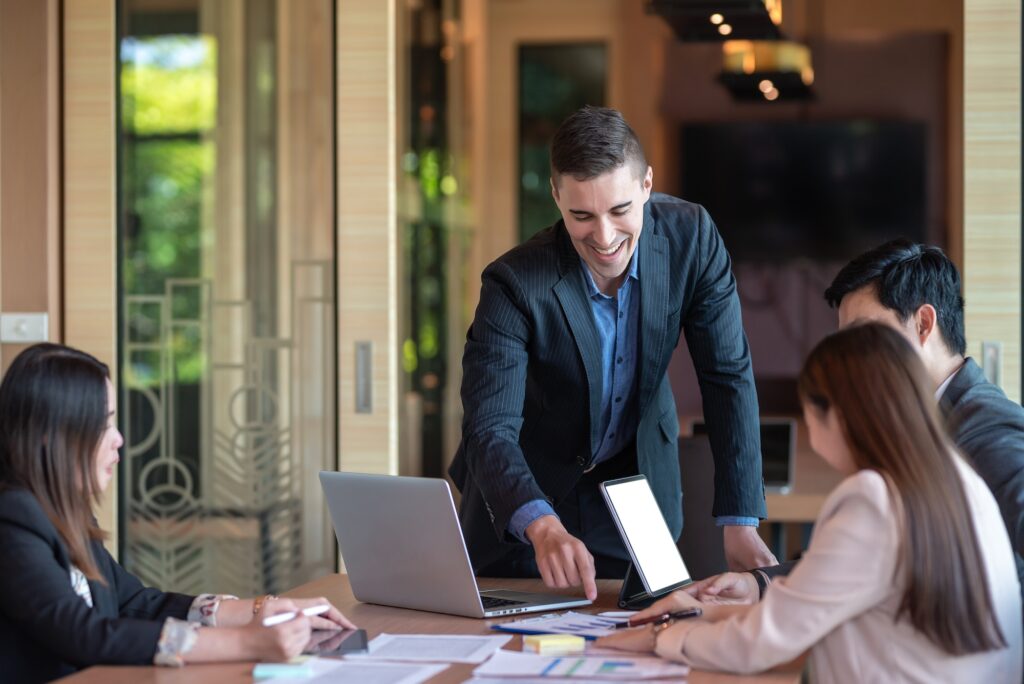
227,292
434,235
554,81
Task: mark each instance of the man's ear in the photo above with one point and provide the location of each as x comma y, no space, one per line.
925,320
554,189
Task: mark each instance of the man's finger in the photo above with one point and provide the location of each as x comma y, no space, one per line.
587,573
590,586
545,572
557,572
572,566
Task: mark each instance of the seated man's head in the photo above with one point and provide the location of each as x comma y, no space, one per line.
913,288
600,181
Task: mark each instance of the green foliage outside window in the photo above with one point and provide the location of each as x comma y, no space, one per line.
168,113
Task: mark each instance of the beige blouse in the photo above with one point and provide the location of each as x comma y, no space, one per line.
840,600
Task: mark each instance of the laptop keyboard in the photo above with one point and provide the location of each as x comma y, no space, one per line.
492,602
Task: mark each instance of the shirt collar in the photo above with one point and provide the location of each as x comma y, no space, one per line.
592,289
945,383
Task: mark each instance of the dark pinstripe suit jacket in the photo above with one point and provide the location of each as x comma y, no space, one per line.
531,388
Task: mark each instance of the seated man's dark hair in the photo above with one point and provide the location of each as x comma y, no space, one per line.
906,276
593,141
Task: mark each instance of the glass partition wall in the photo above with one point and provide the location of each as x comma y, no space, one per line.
227,314
435,231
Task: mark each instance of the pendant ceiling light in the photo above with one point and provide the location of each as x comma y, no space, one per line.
718,20
767,71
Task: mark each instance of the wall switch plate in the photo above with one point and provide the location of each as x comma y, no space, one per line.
992,361
20,328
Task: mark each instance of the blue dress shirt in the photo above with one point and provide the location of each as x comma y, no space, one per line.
617,321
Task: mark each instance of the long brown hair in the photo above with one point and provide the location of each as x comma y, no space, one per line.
53,413
886,406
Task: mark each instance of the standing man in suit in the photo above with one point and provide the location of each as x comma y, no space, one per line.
916,290
564,371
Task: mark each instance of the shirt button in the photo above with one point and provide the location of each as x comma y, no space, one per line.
618,399
611,435
622,314
618,360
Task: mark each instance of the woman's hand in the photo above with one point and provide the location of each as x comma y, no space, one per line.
280,642
677,600
636,640
332,619
642,639
729,588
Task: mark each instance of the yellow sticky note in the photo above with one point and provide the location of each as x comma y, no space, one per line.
554,644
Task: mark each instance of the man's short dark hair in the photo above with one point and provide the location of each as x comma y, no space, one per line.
594,141
906,276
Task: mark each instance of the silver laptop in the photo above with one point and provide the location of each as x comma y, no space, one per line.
778,451
402,545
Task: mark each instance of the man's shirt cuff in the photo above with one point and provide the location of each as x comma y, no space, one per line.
741,520
526,514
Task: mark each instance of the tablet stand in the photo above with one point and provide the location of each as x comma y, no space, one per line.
633,595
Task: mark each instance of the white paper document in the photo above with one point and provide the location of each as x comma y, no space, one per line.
330,671
432,648
545,680
621,668
571,622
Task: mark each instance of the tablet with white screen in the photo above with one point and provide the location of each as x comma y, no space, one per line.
645,534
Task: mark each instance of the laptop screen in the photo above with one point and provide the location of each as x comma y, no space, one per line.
778,445
646,535
777,453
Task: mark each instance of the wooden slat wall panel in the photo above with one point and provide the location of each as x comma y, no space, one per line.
367,239
30,163
992,181
90,226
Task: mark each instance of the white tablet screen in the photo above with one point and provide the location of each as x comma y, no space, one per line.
641,522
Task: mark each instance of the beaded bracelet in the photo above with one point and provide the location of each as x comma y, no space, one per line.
257,603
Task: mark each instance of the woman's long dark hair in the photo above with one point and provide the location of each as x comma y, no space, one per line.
53,413
886,406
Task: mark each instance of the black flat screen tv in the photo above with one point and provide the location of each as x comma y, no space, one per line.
808,190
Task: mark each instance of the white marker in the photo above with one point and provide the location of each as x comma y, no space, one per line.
291,615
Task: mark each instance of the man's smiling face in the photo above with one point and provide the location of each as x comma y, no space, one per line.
604,216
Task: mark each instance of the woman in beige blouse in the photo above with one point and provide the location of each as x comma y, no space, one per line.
909,576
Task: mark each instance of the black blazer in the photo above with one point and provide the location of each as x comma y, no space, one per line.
531,387
48,631
989,429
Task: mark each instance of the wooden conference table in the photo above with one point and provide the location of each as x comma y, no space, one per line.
376,619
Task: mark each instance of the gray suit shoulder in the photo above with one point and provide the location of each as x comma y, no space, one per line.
988,428
975,408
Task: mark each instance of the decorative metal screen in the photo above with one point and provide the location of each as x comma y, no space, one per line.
227,293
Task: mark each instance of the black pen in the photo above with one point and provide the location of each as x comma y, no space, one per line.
664,617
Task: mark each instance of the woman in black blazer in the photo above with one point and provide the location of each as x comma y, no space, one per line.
65,603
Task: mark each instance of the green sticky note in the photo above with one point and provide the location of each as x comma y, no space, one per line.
298,667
